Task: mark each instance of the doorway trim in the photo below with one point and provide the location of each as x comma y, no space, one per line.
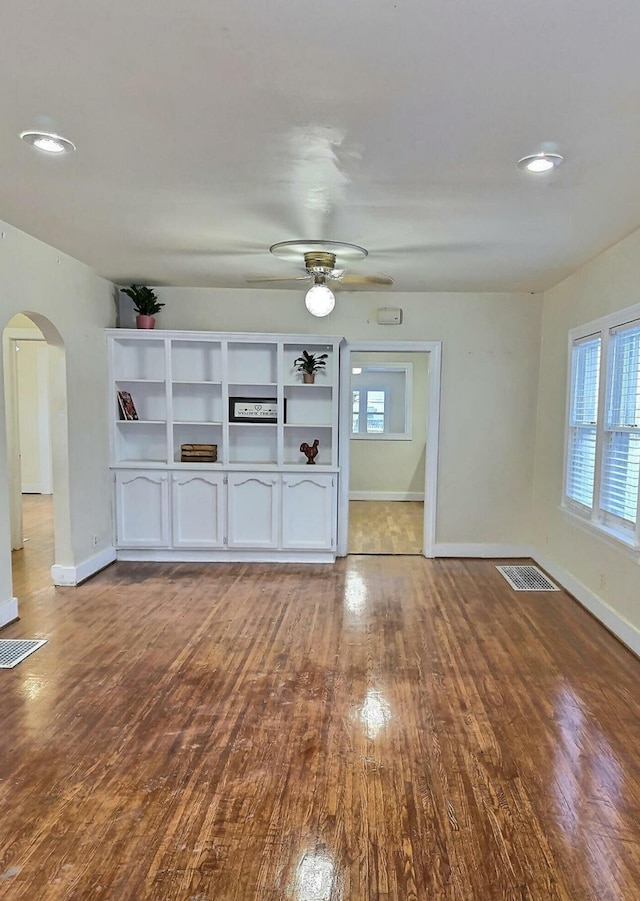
434,349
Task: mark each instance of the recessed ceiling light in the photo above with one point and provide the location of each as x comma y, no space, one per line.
48,143
540,162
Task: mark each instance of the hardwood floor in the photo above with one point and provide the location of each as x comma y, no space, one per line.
385,728
31,566
386,527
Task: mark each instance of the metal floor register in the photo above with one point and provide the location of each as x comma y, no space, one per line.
13,650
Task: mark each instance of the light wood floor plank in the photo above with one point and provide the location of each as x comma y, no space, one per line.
386,527
385,728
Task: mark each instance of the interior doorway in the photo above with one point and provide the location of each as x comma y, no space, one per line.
389,416
37,451
390,392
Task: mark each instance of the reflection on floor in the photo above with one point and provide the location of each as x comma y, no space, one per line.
385,527
376,730
31,567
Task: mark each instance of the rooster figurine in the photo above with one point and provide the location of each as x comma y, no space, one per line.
310,451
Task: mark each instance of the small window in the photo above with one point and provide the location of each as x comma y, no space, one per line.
370,410
381,397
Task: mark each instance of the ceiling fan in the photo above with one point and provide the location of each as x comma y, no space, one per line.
325,263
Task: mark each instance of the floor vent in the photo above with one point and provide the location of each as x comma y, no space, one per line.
527,578
13,650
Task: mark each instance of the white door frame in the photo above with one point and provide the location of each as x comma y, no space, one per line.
434,348
13,442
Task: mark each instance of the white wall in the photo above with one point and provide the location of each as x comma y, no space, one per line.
491,346
32,371
390,466
38,279
604,577
489,380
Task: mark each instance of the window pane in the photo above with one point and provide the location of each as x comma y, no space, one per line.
375,401
620,469
581,465
375,411
584,383
623,397
355,423
621,450
583,413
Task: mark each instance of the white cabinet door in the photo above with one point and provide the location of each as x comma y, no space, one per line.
308,511
254,510
197,506
142,509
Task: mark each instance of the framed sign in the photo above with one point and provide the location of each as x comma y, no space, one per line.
253,409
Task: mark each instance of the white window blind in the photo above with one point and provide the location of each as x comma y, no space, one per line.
583,415
621,438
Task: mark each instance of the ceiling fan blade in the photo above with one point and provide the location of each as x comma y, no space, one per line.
365,280
250,279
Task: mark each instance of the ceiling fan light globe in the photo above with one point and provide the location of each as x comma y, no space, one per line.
319,300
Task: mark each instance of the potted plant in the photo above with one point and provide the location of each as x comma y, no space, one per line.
145,303
308,364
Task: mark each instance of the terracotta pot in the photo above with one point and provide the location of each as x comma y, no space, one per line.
145,322
308,378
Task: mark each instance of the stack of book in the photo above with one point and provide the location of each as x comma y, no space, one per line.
199,453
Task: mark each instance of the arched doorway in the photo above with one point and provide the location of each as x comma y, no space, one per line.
33,354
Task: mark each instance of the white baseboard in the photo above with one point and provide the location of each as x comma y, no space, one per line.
8,611
185,555
386,495
444,549
628,634
74,575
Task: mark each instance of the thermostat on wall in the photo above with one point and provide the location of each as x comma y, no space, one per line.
389,316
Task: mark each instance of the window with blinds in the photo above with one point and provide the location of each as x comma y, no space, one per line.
602,473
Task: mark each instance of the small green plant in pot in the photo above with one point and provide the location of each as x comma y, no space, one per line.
308,364
145,303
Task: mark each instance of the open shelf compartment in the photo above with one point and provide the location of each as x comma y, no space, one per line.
295,436
196,361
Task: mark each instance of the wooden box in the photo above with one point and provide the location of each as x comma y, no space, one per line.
198,453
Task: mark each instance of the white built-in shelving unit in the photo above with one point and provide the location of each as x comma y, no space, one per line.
260,500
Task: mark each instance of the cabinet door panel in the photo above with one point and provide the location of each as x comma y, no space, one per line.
142,509
254,510
198,509
308,511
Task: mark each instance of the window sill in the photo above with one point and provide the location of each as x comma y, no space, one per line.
380,436
613,539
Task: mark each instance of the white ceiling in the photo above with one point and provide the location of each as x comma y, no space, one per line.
207,131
